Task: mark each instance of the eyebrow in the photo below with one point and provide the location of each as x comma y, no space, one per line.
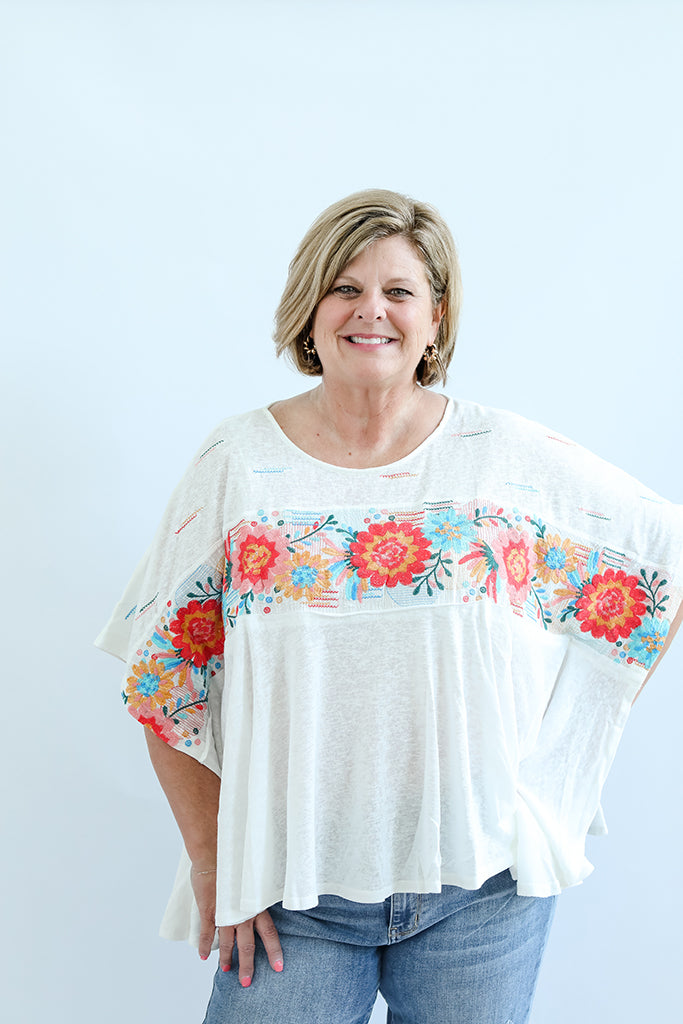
392,280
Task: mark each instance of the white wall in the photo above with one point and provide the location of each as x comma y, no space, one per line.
161,161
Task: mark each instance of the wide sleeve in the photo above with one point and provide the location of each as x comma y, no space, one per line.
616,599
168,624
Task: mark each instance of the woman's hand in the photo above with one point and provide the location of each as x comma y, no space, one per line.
204,887
243,934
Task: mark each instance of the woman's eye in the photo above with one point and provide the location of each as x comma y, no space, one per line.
344,289
400,292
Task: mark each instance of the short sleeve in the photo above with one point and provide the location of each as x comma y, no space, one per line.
168,624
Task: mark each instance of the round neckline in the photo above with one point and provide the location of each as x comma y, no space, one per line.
445,418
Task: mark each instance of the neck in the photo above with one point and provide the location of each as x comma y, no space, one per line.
368,417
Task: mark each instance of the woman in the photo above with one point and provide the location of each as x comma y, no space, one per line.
399,637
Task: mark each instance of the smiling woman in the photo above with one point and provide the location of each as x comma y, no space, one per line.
370,333
338,237
371,305
384,646
379,305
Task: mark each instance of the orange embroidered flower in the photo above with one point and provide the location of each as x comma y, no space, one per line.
150,685
305,576
611,605
390,553
260,556
554,558
198,631
514,555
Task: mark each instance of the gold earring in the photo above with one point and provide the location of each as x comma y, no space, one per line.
310,354
430,355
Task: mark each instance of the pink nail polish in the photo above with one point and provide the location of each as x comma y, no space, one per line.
245,982
226,967
203,956
278,966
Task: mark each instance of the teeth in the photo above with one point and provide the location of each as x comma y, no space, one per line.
369,341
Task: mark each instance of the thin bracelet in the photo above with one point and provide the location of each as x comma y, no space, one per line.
211,871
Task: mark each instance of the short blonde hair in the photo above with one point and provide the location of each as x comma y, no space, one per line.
340,234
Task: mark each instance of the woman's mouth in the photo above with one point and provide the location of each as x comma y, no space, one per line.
359,339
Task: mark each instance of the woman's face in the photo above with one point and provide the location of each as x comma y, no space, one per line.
377,319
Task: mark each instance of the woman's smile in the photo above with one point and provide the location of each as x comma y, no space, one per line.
368,339
379,309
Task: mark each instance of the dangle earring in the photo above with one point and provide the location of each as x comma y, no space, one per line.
310,354
430,356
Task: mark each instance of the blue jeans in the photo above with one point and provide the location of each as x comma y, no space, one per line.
454,957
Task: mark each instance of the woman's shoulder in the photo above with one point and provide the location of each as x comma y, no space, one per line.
232,433
549,471
509,442
517,437
474,415
235,424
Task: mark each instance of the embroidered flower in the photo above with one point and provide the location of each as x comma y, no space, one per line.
513,552
449,530
259,558
389,553
342,573
150,686
611,605
555,558
163,727
305,576
198,631
648,640
482,563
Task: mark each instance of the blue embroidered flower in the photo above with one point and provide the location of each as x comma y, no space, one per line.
556,558
648,640
304,576
449,530
148,684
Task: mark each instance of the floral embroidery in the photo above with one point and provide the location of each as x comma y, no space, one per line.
442,554
261,556
450,530
648,640
198,631
389,553
150,685
515,562
341,570
305,576
555,558
168,686
611,605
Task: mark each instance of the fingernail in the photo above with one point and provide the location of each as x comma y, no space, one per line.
278,966
203,956
226,967
245,982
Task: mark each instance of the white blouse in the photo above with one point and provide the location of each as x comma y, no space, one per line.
406,676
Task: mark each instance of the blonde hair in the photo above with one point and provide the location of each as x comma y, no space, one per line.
341,233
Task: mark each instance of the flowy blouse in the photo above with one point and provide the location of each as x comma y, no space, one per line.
406,676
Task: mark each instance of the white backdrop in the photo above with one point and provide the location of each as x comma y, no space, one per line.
160,162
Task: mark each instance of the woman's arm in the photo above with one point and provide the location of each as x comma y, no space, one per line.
193,791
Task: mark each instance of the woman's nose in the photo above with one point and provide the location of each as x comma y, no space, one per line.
371,306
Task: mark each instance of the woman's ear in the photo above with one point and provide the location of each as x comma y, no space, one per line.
437,315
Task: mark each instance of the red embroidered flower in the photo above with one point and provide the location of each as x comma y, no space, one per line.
515,558
389,553
260,556
162,726
611,605
198,631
